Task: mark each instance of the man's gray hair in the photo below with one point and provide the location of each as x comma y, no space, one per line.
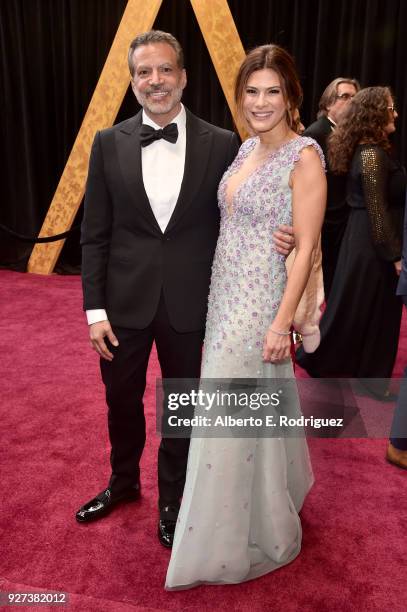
331,91
155,36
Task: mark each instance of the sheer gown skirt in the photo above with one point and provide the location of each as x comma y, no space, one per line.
239,513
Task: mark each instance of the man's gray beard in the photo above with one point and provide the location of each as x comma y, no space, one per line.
161,110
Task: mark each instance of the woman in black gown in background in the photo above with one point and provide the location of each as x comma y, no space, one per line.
360,326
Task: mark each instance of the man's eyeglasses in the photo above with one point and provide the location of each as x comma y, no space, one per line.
392,108
345,96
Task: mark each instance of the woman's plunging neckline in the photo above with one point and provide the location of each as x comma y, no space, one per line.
229,203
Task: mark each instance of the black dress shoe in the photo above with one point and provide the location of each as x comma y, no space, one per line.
167,524
166,530
104,502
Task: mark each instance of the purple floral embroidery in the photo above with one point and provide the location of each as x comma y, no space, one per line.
248,274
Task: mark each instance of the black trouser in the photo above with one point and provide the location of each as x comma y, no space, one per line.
179,355
331,240
400,416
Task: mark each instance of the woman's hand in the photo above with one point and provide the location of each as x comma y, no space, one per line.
397,265
276,347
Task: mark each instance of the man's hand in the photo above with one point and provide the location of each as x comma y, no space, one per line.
397,265
98,332
284,240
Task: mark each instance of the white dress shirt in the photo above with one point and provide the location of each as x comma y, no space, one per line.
163,166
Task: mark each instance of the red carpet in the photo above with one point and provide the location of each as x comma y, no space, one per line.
54,457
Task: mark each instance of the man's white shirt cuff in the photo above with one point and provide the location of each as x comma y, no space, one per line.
96,315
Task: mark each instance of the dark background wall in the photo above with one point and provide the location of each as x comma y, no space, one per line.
52,52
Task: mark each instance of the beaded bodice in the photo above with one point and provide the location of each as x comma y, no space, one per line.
248,274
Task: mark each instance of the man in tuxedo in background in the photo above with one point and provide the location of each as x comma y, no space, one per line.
397,447
334,101
149,232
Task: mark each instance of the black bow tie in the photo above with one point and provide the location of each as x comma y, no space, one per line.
148,134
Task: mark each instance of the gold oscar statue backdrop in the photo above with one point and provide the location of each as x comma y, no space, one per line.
226,51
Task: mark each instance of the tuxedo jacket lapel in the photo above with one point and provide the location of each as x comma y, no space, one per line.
129,152
198,146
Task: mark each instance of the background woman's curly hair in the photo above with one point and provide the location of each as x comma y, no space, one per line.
363,122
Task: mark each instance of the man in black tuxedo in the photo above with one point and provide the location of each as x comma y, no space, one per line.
334,101
149,232
397,447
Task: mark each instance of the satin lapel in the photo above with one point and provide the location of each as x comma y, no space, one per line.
198,146
129,152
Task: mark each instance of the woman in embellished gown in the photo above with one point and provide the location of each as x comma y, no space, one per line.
361,323
239,513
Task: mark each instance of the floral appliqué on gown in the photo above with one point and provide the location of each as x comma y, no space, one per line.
239,514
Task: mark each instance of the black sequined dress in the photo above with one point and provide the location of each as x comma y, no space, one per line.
361,323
